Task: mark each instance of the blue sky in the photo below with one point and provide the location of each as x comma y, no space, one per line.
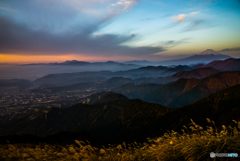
91,30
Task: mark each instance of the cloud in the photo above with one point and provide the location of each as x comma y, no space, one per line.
192,22
61,27
155,18
63,15
17,38
98,34
125,4
7,9
198,25
230,49
182,17
173,43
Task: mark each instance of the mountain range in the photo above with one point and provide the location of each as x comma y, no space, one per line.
76,62
139,74
80,77
203,57
185,91
149,74
115,82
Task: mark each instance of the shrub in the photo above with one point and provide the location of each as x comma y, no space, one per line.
193,143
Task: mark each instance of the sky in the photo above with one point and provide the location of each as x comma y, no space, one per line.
34,31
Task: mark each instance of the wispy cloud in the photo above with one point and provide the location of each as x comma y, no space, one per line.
191,19
7,9
198,25
125,5
192,22
154,18
98,34
230,49
173,43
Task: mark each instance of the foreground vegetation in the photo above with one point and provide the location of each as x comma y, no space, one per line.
194,143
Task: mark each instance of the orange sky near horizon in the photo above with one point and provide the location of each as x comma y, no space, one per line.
22,59
28,59
25,59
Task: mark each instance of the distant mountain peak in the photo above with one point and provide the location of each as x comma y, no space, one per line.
71,61
110,61
209,52
139,61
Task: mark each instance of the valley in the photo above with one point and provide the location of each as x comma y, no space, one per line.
112,107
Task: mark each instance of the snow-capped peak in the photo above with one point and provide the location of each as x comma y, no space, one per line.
209,52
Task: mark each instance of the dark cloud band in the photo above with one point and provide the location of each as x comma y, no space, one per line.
18,38
230,49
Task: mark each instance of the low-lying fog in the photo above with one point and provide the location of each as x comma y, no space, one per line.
33,72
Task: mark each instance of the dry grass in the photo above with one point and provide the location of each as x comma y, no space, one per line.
193,144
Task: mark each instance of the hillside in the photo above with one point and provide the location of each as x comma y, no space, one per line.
230,64
186,91
114,121
102,97
133,91
197,73
115,81
221,107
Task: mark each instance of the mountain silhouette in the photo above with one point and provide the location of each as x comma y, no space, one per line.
204,57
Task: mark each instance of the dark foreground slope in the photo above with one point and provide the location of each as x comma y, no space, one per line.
103,97
114,121
126,120
221,107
